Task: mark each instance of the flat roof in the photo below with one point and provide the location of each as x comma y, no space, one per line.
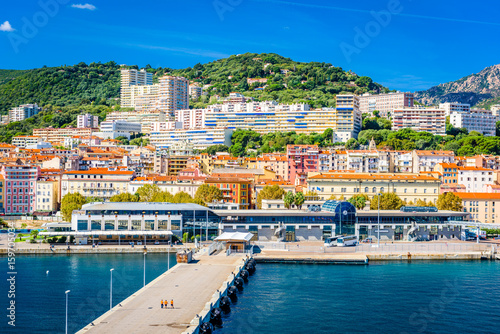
109,232
288,213
234,236
142,206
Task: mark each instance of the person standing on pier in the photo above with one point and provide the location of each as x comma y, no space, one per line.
162,303
172,303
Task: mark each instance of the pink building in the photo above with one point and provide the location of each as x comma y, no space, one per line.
20,185
301,160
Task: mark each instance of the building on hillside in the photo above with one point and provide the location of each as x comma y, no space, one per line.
449,173
432,120
131,78
278,163
195,91
47,195
483,207
99,182
173,94
234,190
482,121
409,187
199,138
58,135
87,121
20,185
475,179
454,107
425,161
23,112
348,116
385,103
484,161
362,161
115,129
24,141
301,160
191,118
145,118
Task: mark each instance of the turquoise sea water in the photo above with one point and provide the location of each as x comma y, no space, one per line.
40,298
420,297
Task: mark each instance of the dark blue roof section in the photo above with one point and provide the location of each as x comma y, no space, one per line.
338,207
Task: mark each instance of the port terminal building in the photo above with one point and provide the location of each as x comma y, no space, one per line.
116,222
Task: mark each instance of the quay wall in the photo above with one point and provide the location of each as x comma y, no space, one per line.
74,250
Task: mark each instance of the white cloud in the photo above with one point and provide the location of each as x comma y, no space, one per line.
6,26
86,6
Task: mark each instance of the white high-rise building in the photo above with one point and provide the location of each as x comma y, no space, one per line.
451,107
23,112
129,79
482,121
87,121
195,91
495,109
431,120
384,103
173,94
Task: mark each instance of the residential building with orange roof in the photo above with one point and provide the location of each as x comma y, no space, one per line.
483,207
363,161
23,141
302,159
236,190
97,182
449,173
475,179
47,195
20,185
278,163
425,161
409,187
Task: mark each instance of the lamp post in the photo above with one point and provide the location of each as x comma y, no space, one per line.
168,249
111,289
144,277
66,293
378,224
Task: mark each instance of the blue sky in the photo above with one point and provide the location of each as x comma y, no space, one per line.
414,45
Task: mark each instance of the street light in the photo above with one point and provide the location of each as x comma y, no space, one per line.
66,293
144,279
378,227
111,289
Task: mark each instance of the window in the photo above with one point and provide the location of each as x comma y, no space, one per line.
374,190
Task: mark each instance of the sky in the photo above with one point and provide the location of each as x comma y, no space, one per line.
407,45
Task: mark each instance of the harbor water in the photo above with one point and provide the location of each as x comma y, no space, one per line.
40,298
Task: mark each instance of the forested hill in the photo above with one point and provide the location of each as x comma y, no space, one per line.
97,83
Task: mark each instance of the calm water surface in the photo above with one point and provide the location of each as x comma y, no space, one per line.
421,297
40,298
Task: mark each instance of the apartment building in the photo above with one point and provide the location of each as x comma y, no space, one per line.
145,118
276,162
58,135
409,187
475,179
47,195
362,161
191,118
495,109
199,138
20,185
302,159
483,207
485,161
385,103
425,161
454,107
348,118
24,141
449,173
121,126
87,121
482,121
234,190
23,112
208,162
129,79
432,120
96,182
173,94
195,91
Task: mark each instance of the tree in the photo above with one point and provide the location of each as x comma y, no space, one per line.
34,234
163,196
93,199
124,197
299,199
182,197
69,203
420,202
207,193
449,201
148,192
359,201
289,199
269,192
388,201
352,144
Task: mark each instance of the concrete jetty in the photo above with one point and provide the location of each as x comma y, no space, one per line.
192,286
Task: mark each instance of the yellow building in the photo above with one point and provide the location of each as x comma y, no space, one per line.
47,194
483,207
409,187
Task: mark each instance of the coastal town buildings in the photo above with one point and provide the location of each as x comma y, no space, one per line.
20,186
454,107
87,121
482,121
23,112
385,103
432,120
483,207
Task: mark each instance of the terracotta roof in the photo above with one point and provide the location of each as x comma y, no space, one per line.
99,171
476,168
478,196
372,176
417,152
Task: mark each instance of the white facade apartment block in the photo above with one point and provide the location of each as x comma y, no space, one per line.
432,120
120,126
145,118
475,179
195,91
131,78
24,141
191,118
495,109
199,138
482,121
173,94
23,112
451,107
385,103
87,121
425,161
165,126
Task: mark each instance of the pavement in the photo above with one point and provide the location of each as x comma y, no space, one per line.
191,286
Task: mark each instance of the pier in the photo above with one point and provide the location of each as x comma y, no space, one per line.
193,287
